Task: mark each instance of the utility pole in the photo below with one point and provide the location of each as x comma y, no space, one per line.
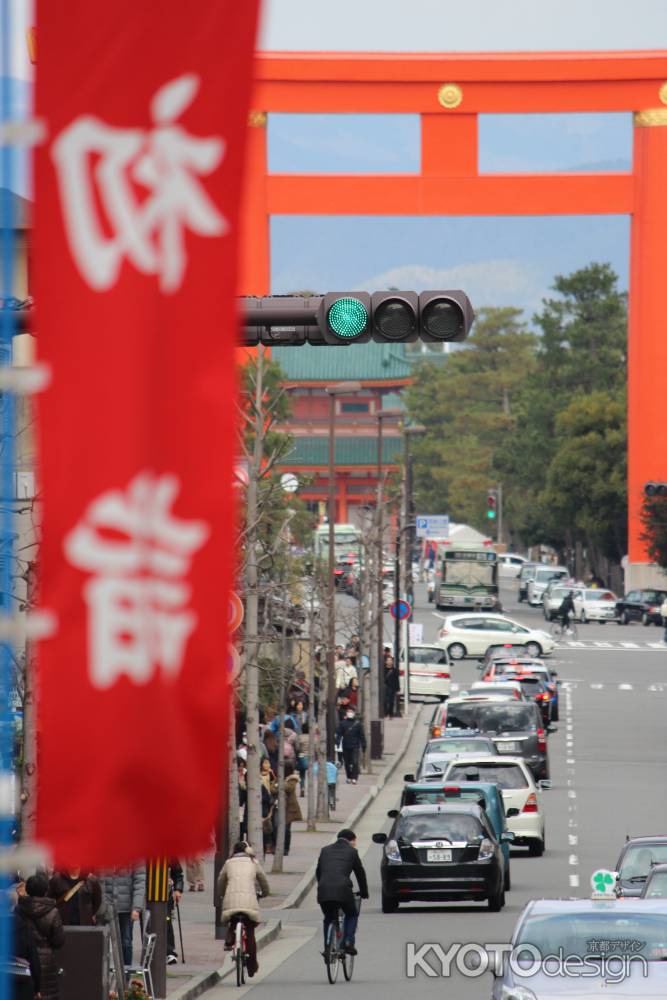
499,537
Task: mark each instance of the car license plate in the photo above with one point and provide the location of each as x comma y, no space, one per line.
438,855
508,746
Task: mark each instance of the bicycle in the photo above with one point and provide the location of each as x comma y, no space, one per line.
240,948
569,632
334,955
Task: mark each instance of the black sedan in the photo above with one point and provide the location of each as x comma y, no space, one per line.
640,606
442,853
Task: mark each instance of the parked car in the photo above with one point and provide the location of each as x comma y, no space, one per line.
429,672
442,853
655,886
592,604
509,565
543,576
468,634
526,573
640,606
522,795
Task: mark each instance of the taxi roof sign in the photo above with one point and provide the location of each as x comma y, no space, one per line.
603,884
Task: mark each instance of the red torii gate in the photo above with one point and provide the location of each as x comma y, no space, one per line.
449,92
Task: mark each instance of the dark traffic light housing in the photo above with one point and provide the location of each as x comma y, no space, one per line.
337,318
655,490
491,504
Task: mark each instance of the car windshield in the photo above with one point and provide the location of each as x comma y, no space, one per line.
505,775
458,746
657,887
505,717
559,592
506,690
654,595
638,859
600,595
549,574
439,826
593,934
427,655
531,685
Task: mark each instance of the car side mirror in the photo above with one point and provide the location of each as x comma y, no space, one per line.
480,666
379,838
408,777
552,729
508,835
554,673
392,814
512,812
544,783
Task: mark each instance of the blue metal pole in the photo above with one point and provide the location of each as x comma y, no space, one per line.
7,447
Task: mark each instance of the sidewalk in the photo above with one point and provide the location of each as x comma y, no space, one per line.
203,953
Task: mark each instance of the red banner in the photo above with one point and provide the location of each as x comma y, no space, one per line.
137,197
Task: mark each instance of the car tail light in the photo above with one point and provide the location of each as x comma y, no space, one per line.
545,696
443,632
452,789
531,804
446,676
401,673
541,739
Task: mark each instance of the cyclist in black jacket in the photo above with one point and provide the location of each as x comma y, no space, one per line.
334,886
566,610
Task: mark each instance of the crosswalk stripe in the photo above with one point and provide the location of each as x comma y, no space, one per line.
625,687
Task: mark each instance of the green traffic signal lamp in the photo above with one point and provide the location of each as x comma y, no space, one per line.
345,317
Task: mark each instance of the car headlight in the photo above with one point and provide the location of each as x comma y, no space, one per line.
516,993
391,851
485,850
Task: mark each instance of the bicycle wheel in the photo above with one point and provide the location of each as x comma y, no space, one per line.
331,953
556,630
348,966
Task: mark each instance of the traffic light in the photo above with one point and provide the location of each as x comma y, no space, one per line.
337,318
655,490
491,504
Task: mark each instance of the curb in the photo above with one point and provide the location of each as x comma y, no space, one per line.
301,890
207,980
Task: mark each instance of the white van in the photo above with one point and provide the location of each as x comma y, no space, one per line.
429,672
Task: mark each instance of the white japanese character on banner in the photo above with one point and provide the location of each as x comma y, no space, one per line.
140,555
99,167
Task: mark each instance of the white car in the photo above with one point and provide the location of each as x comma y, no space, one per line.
522,795
429,672
471,635
509,565
539,583
594,604
497,688
552,600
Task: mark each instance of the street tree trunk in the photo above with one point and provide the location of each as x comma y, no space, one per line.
279,848
311,825
251,647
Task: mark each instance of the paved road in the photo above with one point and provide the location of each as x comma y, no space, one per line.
608,764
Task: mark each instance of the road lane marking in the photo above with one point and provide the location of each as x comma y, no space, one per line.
573,860
574,881
572,839
625,687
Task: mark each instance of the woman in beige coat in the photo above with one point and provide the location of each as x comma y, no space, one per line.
238,883
292,807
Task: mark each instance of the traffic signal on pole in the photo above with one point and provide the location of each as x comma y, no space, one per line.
338,318
655,490
491,504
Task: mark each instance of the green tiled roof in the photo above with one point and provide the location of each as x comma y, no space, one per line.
347,451
361,362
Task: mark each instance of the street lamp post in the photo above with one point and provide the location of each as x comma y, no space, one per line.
410,432
337,389
397,622
377,739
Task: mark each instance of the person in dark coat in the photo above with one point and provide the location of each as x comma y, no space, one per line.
41,915
26,971
335,865
391,686
351,734
176,886
78,897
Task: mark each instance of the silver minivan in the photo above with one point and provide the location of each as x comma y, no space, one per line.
541,580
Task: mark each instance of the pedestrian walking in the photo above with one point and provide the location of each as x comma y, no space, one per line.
25,971
40,913
350,733
292,807
194,873
78,897
269,785
125,890
345,671
302,758
391,686
239,879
